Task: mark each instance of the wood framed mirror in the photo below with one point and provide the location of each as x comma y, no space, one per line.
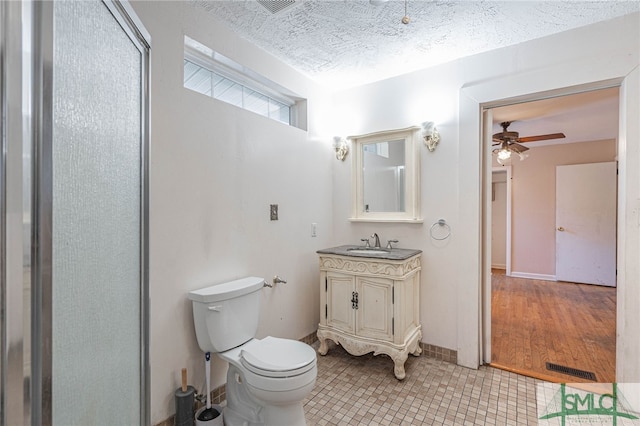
385,176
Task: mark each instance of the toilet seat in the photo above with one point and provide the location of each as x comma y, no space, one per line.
278,358
286,379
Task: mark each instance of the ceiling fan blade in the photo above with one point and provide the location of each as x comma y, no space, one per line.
516,147
541,137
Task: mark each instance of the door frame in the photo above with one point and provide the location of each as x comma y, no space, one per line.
486,169
507,170
13,354
474,165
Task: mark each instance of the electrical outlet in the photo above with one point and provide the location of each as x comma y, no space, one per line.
274,211
314,229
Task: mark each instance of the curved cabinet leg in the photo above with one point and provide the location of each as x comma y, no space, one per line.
415,348
324,347
398,368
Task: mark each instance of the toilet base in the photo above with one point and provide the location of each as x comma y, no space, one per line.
289,415
292,415
243,409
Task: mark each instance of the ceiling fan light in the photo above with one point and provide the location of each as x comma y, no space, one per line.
523,155
504,154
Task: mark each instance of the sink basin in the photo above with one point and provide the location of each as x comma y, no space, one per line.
367,251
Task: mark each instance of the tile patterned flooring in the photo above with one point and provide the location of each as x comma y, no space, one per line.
363,391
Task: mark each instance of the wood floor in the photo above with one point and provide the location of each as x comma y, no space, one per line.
534,322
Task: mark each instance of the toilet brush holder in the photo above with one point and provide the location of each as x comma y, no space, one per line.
216,421
184,398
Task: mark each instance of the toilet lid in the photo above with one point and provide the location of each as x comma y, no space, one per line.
274,357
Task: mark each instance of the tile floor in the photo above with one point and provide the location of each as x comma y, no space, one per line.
363,391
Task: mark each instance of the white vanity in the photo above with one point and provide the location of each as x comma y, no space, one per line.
370,302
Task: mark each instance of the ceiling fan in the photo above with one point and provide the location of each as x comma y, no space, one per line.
509,142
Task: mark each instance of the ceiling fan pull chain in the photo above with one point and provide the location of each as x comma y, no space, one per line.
405,18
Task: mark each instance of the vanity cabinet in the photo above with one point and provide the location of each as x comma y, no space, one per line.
371,304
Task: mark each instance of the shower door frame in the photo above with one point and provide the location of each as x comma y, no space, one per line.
12,380
41,207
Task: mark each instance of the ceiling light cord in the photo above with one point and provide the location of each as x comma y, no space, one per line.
405,18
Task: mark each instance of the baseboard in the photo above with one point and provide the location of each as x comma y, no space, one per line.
532,276
310,339
439,353
499,267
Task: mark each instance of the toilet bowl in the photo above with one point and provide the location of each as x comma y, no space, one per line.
267,378
272,376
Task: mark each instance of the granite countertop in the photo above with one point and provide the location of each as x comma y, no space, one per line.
393,254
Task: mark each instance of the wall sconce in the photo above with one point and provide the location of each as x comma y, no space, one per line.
341,147
430,135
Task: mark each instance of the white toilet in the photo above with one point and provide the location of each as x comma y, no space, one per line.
267,379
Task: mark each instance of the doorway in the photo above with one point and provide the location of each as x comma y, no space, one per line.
520,342
501,219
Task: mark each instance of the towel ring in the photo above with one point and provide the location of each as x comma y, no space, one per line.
440,222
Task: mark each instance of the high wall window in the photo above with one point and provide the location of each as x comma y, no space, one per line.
210,73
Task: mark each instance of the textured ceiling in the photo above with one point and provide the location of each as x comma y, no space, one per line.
345,43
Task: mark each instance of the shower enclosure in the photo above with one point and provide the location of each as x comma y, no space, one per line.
74,214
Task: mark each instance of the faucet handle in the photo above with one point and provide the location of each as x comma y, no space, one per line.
389,243
366,242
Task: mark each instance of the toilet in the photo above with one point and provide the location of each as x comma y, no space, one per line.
267,378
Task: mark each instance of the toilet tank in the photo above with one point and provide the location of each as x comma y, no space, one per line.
226,315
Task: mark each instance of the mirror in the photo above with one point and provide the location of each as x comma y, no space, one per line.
385,176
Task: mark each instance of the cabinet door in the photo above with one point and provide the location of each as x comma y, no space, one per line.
339,293
374,316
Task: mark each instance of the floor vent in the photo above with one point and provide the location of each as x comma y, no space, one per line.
275,6
571,371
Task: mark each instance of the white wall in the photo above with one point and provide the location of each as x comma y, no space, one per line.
214,171
453,95
534,202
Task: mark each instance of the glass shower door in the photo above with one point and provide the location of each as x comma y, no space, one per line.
91,218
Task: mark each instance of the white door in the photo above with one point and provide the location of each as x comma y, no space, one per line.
586,223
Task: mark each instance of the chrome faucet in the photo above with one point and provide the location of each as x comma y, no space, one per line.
376,243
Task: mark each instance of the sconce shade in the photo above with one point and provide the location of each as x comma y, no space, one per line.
341,147
430,135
